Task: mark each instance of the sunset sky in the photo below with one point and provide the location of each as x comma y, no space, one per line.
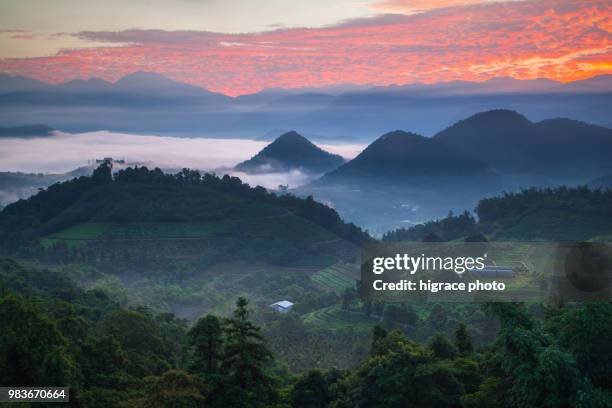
237,47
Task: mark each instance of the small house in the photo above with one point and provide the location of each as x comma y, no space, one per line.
282,307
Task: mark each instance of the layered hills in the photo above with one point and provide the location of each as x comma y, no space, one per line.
399,156
406,178
148,102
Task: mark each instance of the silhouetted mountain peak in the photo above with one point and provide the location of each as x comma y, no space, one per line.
396,144
291,144
291,151
143,77
398,155
143,82
89,85
486,128
292,137
399,136
496,117
150,80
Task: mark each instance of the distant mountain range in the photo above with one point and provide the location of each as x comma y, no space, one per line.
26,131
149,102
138,83
500,141
291,151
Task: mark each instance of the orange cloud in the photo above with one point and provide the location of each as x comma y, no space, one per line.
563,40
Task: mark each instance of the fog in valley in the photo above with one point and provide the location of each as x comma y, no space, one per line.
64,152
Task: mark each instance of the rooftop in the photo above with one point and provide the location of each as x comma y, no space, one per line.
283,303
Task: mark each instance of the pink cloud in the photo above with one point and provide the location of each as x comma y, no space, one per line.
564,40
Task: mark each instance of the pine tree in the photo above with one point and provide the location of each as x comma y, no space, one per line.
206,340
244,360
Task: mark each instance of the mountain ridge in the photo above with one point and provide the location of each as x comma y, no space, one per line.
148,102
400,155
597,83
556,149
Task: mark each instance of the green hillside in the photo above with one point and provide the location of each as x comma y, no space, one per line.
337,277
190,213
552,214
160,231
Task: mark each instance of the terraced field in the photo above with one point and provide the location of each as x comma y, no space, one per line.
245,228
337,277
334,317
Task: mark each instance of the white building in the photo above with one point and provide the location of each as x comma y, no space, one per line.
282,307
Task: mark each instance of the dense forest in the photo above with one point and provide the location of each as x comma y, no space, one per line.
146,289
561,213
140,194
57,333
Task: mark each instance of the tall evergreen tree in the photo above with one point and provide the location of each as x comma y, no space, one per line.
244,360
206,340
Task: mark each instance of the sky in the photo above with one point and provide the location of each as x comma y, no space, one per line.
240,46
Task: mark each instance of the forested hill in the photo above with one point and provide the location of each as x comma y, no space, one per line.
532,214
560,150
140,195
398,156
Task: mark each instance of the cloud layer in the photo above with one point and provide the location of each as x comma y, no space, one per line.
564,40
64,152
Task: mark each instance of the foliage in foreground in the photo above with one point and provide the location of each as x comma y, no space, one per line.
55,333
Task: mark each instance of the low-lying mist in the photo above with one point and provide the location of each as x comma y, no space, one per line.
64,152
